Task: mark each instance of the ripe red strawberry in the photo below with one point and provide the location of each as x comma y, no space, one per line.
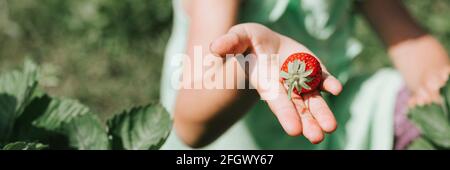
301,72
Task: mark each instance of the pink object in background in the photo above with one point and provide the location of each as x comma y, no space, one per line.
405,132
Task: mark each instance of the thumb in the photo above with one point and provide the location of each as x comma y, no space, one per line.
236,41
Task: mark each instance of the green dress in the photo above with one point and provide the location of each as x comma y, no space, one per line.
364,114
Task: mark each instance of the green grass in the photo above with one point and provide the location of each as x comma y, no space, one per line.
108,54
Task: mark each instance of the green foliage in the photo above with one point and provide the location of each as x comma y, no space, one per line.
33,118
91,50
137,129
445,92
16,91
431,15
75,120
434,123
421,144
24,146
102,18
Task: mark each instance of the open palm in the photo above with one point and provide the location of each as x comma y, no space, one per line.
307,114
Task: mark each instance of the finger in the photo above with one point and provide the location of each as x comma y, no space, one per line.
426,96
311,128
431,94
435,97
330,83
285,111
433,86
422,97
230,43
412,102
236,41
321,112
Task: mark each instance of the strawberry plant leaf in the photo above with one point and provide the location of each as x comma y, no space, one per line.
75,121
86,133
25,146
140,128
28,114
421,144
433,123
7,109
445,93
60,111
20,84
16,89
23,129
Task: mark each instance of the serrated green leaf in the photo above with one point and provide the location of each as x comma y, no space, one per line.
86,133
24,130
60,111
433,123
75,121
25,146
23,127
20,84
16,89
140,128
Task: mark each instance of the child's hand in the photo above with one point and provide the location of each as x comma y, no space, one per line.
427,89
308,114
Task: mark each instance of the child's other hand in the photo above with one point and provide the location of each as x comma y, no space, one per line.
427,91
308,114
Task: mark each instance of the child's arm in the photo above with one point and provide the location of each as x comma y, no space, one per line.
202,115
418,56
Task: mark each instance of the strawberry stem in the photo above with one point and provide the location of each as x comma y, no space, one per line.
296,77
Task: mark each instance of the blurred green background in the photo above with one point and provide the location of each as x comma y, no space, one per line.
108,54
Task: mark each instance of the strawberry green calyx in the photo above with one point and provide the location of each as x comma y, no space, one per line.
296,77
